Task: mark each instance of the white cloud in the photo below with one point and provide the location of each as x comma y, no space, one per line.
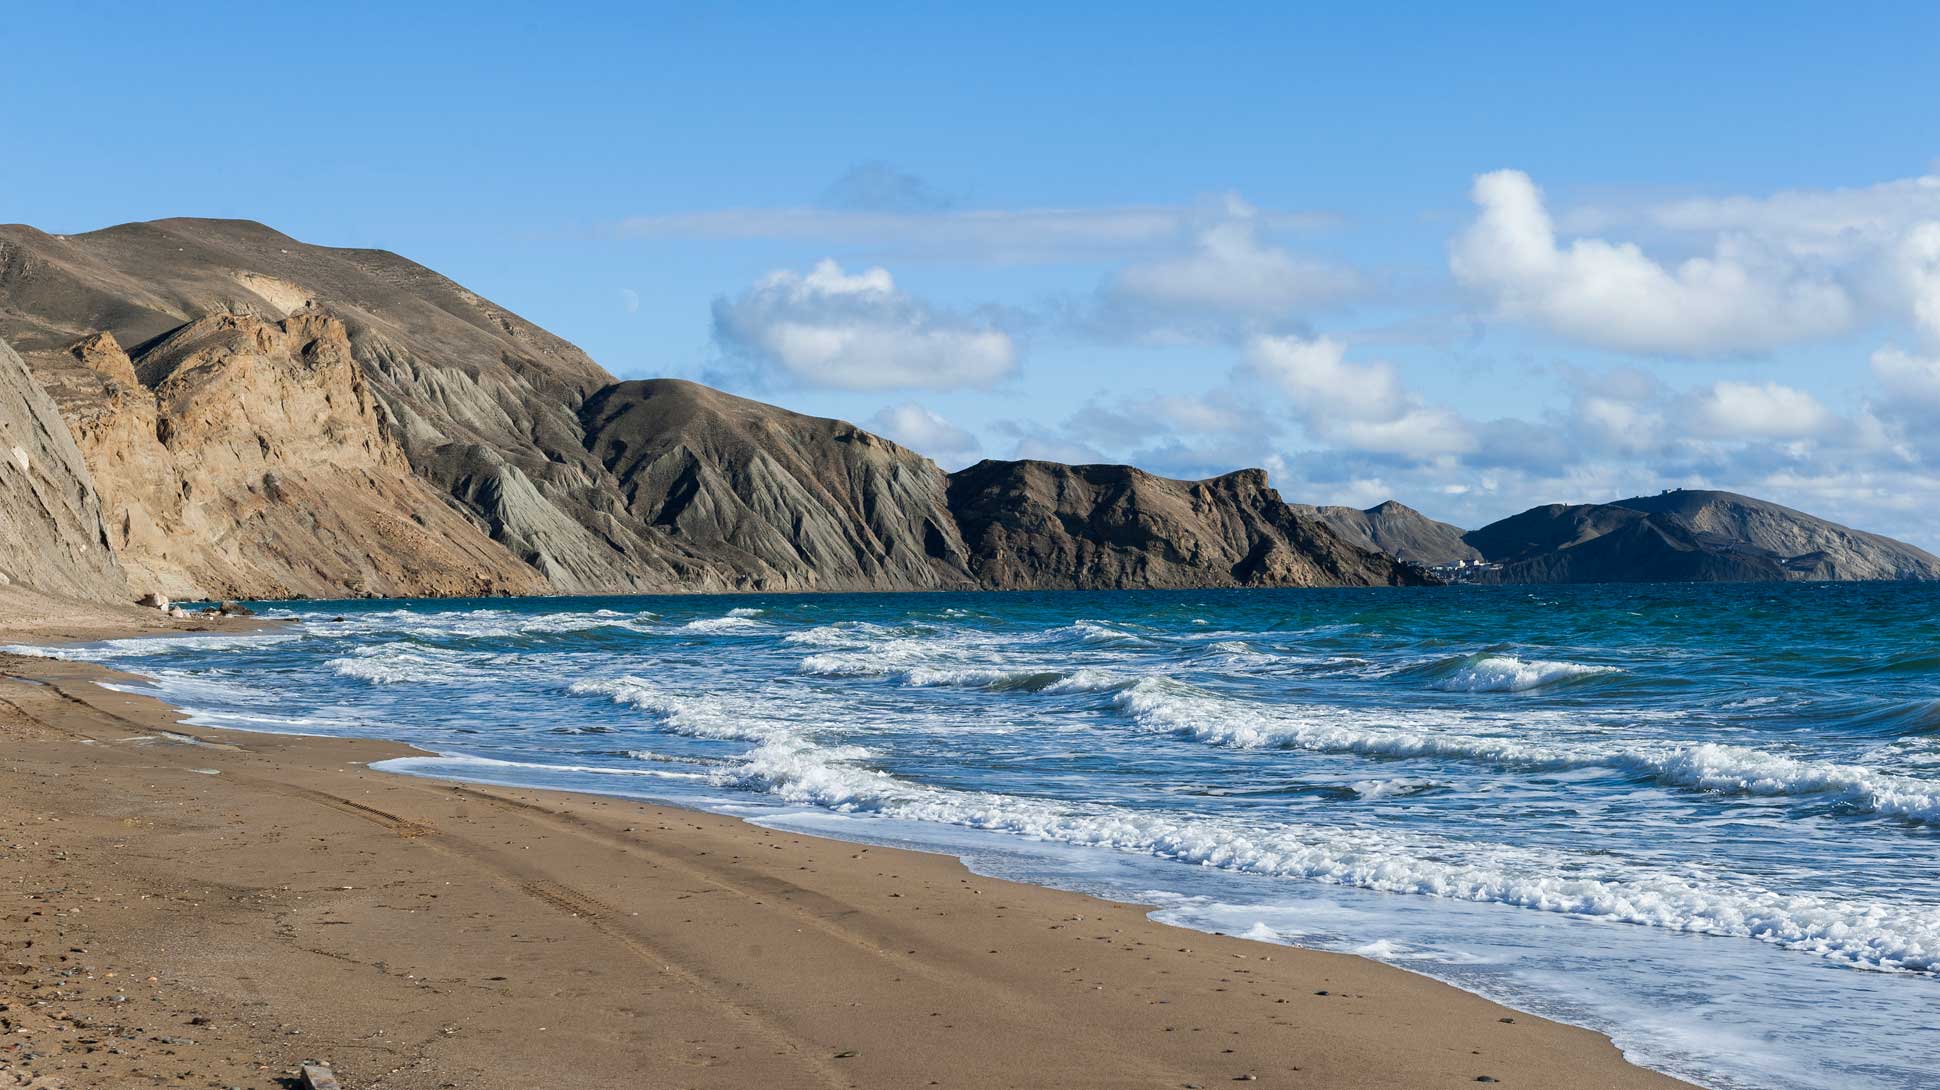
925,432
1920,273
1230,268
1316,375
1359,406
1833,224
1911,381
858,331
1740,299
1419,432
630,300
1620,424
1744,410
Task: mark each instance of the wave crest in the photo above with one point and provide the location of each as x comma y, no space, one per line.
1509,674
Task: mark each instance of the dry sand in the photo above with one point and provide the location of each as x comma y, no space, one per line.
192,907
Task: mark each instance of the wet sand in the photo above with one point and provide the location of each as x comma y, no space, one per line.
193,907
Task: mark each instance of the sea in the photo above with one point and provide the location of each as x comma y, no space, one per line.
1702,819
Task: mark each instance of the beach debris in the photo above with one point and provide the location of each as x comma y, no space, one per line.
319,1077
234,609
845,1054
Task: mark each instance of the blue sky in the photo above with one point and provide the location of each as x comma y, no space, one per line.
1699,252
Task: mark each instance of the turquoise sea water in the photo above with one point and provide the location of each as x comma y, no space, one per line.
1703,819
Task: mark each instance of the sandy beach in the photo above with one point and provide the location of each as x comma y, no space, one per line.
197,907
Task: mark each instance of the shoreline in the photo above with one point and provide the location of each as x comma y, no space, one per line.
645,988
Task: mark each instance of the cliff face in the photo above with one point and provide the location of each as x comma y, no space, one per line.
745,496
481,403
1398,530
1035,525
294,419
243,457
51,534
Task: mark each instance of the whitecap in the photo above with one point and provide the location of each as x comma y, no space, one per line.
731,623
1168,706
1509,674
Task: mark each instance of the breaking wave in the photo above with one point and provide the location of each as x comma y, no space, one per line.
1509,674
795,769
1172,707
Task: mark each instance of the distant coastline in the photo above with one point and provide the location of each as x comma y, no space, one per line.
287,441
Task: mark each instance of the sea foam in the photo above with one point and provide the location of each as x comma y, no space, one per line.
1173,707
1509,674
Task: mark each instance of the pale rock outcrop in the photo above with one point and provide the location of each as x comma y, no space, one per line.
452,379
243,457
52,538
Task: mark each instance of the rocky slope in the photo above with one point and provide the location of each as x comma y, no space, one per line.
752,497
262,418
244,458
1685,536
1805,546
1397,530
51,535
1035,525
481,403
266,418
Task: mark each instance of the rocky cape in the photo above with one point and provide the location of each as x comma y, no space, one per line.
214,409
1684,535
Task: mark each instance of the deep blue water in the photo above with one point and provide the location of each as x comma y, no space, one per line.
1704,819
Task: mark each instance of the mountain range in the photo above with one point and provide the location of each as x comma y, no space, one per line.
209,408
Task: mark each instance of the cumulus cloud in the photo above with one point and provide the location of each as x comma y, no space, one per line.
1753,410
1911,382
925,432
1920,274
1360,406
1230,268
857,331
1740,299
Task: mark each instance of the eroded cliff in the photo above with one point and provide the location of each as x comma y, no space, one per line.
51,534
245,458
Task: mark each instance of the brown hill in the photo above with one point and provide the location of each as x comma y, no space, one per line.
752,497
1398,530
1032,525
1687,536
296,419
